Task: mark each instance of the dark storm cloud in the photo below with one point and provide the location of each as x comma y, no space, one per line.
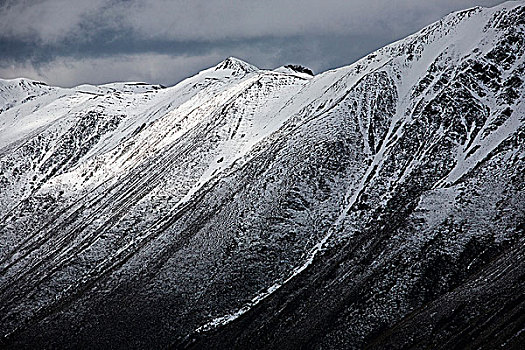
100,45
68,42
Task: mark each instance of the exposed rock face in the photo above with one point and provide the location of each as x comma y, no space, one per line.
300,69
379,204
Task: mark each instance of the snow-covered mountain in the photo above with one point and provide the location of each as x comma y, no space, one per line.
380,204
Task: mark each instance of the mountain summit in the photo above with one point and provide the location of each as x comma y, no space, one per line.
378,205
236,65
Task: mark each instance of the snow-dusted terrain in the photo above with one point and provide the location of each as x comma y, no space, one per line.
380,204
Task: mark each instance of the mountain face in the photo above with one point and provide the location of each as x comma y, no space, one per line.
378,205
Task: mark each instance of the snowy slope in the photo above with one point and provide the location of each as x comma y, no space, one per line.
255,208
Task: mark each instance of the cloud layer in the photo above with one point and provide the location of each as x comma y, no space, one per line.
69,42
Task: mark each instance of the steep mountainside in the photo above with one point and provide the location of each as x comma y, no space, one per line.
377,205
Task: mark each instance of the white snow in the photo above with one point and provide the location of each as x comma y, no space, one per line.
240,106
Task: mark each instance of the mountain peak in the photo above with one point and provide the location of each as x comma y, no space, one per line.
237,65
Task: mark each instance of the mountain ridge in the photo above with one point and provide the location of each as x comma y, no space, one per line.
245,207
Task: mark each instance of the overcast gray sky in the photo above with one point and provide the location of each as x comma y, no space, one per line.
70,42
